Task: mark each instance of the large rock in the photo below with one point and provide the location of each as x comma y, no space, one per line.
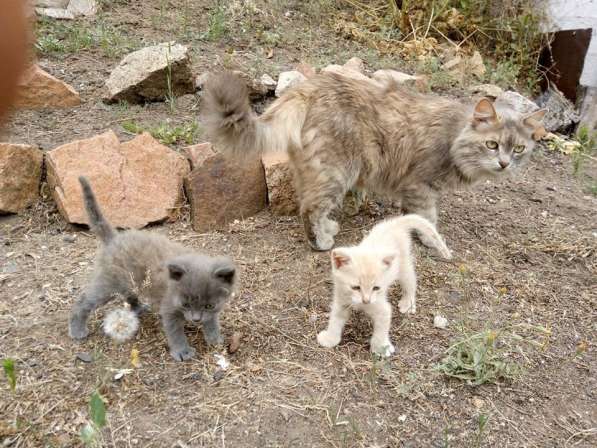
487,90
136,183
355,64
20,173
561,114
287,80
280,188
385,76
346,71
516,101
306,69
66,9
221,190
40,90
143,75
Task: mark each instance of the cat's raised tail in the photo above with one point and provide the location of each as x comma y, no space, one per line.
98,224
233,126
424,227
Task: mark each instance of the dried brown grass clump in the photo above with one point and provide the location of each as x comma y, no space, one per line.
509,31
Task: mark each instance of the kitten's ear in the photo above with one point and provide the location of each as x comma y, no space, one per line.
485,112
339,258
533,121
176,271
225,273
388,260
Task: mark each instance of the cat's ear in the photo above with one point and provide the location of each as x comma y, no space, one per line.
484,112
388,260
225,273
533,121
176,271
339,258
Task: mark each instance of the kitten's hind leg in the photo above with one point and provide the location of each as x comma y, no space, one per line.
136,306
408,283
93,297
331,336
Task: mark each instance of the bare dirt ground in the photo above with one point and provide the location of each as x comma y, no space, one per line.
525,257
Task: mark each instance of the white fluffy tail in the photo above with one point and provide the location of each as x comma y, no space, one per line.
121,324
425,228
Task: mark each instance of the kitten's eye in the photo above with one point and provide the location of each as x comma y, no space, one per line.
519,148
492,144
355,288
376,288
209,306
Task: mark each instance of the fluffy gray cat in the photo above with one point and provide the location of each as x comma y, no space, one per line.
180,284
342,134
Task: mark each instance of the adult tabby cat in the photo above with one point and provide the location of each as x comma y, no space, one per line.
341,133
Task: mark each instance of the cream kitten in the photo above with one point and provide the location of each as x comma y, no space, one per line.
363,274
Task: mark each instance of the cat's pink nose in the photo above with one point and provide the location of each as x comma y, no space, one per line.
504,163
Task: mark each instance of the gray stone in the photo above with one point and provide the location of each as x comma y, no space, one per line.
489,90
286,80
516,101
560,111
143,75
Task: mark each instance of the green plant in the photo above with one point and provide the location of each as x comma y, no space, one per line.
167,133
587,146
217,26
91,433
478,359
505,74
481,426
9,370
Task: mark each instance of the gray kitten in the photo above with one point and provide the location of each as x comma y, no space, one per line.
181,284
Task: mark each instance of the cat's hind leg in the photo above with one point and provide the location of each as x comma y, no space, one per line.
95,295
408,282
321,193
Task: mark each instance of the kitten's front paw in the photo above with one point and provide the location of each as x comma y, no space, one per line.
407,306
183,354
332,227
324,242
382,348
326,339
213,339
78,331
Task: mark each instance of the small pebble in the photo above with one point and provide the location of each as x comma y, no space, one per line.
219,374
440,322
84,356
69,238
234,342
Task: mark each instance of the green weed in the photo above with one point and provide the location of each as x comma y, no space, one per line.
481,427
587,146
217,26
9,371
56,38
167,133
91,433
478,359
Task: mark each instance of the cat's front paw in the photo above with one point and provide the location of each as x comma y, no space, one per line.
78,331
183,354
382,348
326,339
407,306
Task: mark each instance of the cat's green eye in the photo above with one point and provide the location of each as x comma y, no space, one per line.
376,288
209,306
519,148
355,288
491,144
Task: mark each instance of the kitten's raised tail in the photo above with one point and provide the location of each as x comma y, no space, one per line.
234,127
98,224
426,229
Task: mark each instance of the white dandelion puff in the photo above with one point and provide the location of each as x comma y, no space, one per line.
121,324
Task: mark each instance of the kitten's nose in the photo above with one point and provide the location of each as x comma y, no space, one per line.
504,163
